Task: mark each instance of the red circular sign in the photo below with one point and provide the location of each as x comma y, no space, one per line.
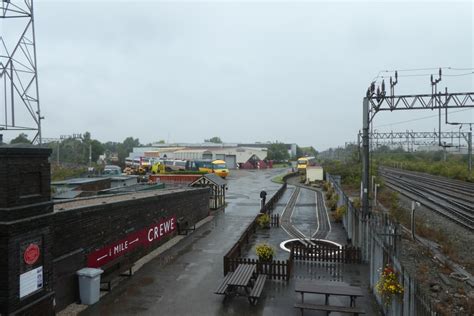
31,254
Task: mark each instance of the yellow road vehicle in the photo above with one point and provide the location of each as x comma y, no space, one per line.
158,167
218,167
303,162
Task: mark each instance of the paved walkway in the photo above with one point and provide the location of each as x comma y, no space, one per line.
181,281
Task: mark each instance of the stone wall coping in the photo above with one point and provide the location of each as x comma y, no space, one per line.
110,199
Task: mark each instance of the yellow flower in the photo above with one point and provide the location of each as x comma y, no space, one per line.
264,251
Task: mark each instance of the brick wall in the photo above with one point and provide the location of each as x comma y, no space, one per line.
25,176
25,209
78,232
13,237
66,237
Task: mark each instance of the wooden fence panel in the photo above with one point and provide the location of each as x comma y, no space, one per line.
276,269
346,254
275,220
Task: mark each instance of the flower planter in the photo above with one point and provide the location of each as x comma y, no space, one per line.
388,286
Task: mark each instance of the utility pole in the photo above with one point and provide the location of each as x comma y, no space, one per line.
365,156
469,149
434,90
375,193
414,204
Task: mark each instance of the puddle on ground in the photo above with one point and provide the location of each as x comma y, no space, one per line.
211,251
205,233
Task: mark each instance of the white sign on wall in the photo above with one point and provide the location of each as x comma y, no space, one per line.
31,281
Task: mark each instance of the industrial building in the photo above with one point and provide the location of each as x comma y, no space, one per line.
235,155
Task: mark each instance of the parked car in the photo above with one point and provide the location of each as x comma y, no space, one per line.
112,170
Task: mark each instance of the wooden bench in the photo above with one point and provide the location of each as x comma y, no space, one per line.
114,269
184,227
221,290
329,308
257,289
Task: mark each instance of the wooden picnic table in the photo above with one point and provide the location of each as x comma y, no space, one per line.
340,290
242,276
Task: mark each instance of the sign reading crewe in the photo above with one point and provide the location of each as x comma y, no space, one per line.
144,237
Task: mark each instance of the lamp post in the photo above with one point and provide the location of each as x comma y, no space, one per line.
373,183
414,204
375,193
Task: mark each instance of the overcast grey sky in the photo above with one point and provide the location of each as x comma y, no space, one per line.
244,71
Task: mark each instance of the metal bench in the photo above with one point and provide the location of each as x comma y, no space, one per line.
184,227
113,269
329,308
257,289
221,290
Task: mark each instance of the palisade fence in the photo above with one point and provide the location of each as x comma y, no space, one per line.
379,239
275,269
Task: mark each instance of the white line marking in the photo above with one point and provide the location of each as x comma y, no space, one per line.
317,215
134,241
103,257
327,215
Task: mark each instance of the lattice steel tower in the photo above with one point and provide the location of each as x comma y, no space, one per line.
20,106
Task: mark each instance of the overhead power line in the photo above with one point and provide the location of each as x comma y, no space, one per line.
379,75
419,119
426,75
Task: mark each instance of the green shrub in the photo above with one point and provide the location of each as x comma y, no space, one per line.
264,252
59,173
263,220
339,214
329,193
357,203
326,186
331,204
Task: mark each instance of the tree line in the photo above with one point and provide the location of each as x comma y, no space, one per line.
347,163
82,149
78,149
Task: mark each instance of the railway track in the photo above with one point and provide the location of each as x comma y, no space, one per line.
454,185
454,188
285,220
323,227
452,200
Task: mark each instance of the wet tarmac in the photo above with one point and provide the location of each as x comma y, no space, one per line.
181,281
